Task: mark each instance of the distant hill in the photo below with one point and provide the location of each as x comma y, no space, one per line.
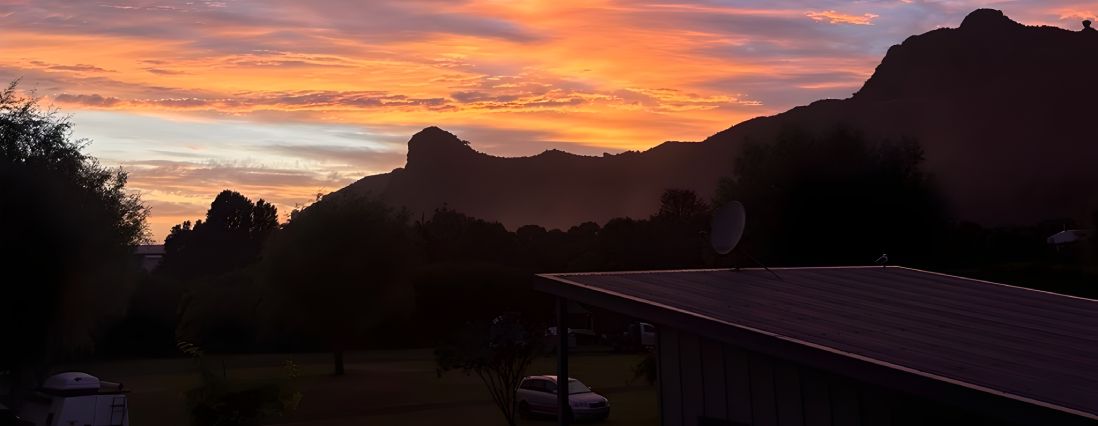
1007,115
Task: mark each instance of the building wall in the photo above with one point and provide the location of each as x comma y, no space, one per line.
708,383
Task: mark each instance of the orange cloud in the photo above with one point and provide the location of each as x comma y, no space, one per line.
833,17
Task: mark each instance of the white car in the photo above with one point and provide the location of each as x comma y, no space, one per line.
537,395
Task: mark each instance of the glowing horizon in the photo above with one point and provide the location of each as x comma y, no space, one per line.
281,100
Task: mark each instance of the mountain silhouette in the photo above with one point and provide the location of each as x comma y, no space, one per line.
1005,112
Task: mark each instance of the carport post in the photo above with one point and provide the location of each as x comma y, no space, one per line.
562,362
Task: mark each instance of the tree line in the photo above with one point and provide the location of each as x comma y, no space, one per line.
352,272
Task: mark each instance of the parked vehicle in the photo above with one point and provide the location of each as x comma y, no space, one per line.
637,336
76,399
552,340
537,395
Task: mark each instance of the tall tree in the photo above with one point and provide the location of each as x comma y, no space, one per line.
230,238
453,236
70,227
682,205
337,270
835,198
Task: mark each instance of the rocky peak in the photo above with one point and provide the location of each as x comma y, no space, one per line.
433,145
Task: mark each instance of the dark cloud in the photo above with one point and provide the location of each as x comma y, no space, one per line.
325,100
790,89
363,159
480,96
342,99
76,67
48,83
164,71
187,177
408,19
94,100
178,102
277,25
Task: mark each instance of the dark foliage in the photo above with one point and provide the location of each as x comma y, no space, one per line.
230,238
221,313
450,236
554,250
498,352
70,228
338,269
148,330
223,401
835,199
647,368
448,295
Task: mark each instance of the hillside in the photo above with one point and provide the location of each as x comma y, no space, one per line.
1004,111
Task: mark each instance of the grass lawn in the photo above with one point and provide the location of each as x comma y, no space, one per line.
380,388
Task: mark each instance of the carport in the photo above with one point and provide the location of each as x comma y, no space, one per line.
852,346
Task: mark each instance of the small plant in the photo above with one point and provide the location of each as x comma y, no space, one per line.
646,368
219,401
498,353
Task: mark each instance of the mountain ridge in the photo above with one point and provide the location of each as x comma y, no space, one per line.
1000,109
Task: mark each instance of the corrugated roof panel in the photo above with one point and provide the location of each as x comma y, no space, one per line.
1027,343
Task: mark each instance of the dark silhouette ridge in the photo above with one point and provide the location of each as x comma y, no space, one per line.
1003,111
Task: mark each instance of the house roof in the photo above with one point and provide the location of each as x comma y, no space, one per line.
932,332
149,249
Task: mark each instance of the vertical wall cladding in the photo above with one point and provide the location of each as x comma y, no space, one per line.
692,370
670,380
788,395
817,398
706,382
713,381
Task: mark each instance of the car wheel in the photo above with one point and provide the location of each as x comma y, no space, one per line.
524,410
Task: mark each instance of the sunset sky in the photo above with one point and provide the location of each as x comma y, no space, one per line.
283,99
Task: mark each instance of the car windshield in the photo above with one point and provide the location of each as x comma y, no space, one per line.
576,386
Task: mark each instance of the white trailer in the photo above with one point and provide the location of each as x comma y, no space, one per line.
77,399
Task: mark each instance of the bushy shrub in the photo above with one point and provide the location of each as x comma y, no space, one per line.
220,401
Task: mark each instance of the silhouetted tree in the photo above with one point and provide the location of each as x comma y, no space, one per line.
337,270
70,227
453,293
230,238
627,243
453,236
682,205
150,323
836,198
498,352
680,228
220,312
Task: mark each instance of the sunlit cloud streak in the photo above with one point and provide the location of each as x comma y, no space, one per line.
833,17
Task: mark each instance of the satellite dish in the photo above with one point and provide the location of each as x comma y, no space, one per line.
727,227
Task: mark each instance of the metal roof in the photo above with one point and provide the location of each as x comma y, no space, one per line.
1031,346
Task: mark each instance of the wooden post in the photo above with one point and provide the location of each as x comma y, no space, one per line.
562,362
